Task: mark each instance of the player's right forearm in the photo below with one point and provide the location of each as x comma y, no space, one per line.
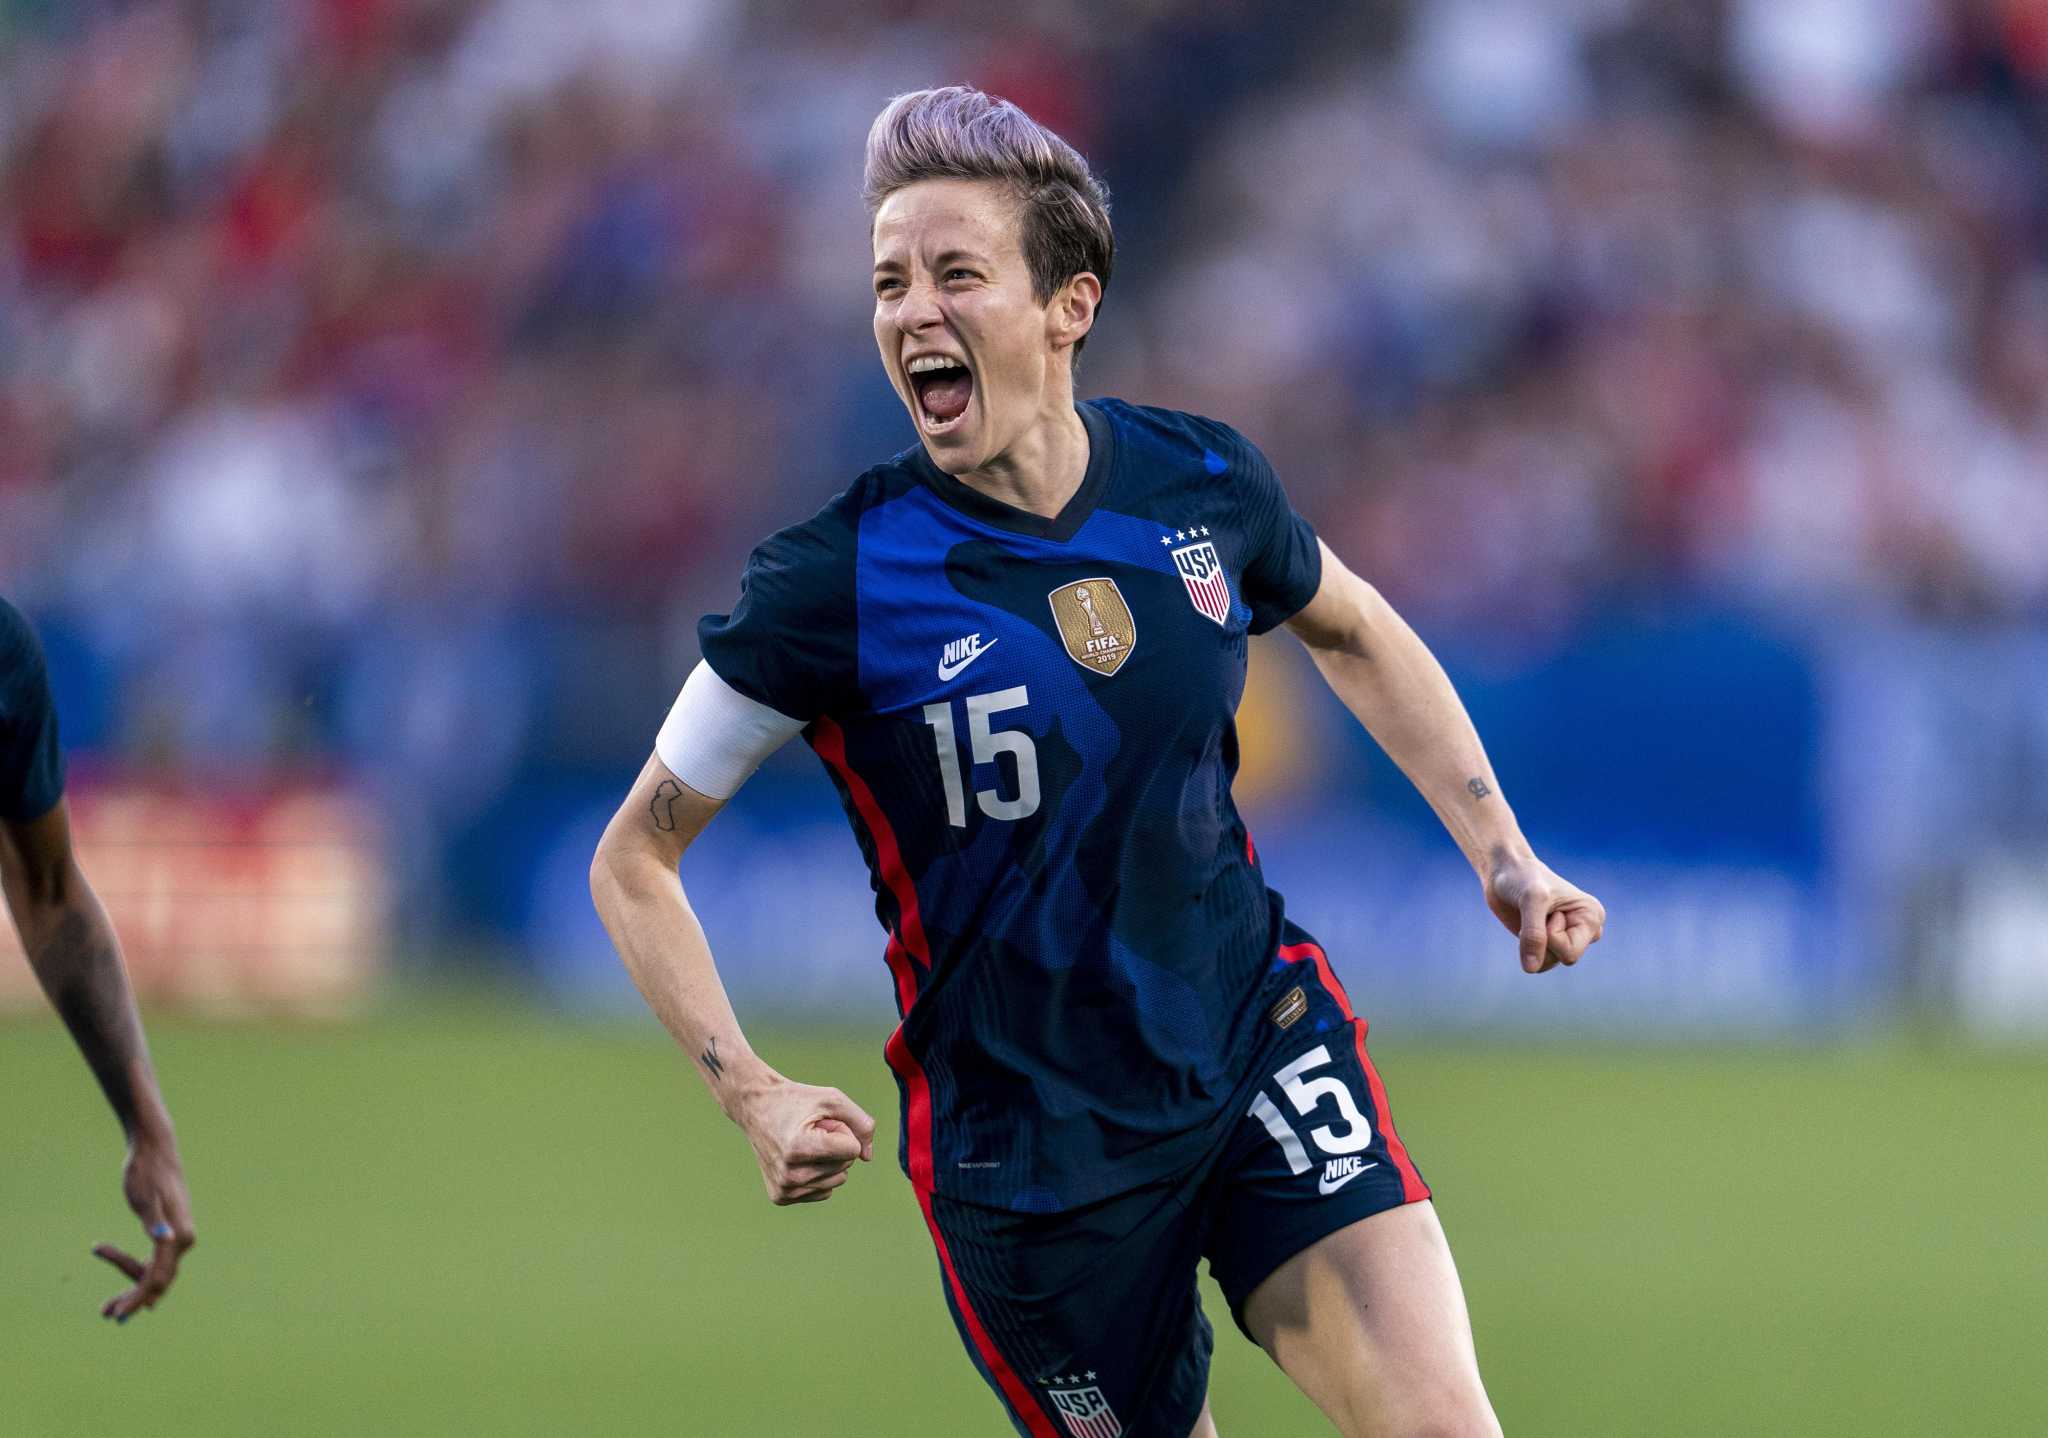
77,960
663,947
76,957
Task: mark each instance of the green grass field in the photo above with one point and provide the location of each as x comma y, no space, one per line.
468,1219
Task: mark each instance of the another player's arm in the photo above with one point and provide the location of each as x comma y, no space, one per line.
1388,678
805,1138
76,957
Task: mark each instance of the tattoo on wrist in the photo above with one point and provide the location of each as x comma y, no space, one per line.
1478,788
663,805
709,1058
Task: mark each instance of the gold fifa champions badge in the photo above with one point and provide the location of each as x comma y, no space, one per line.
1095,624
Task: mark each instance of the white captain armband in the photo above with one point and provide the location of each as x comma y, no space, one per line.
715,737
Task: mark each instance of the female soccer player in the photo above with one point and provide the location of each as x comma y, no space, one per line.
1018,647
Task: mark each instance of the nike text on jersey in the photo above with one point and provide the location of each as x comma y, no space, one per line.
961,653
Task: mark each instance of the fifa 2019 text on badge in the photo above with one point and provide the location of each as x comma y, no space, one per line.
1087,1412
1201,570
1095,624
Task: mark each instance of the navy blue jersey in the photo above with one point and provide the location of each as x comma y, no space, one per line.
1030,725
31,764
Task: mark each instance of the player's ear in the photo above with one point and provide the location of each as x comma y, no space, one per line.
1072,312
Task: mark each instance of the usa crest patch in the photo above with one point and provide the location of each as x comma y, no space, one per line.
1087,1412
1201,570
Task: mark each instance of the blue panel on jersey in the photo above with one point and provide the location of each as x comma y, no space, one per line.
1099,959
909,579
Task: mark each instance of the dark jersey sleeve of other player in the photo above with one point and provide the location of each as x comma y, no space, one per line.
1030,725
31,762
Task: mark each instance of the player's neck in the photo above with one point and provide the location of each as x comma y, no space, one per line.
1041,470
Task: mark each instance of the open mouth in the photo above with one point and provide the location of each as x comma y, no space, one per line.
943,387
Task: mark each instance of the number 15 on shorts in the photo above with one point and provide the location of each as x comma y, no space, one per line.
1304,1093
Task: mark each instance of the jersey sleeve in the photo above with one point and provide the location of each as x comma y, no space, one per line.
789,641
1283,563
31,762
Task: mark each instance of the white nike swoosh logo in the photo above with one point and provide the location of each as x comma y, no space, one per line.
1326,1188
948,671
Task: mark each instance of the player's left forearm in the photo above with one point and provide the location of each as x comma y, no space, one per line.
1387,677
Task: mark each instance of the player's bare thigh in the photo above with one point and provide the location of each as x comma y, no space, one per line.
1370,1323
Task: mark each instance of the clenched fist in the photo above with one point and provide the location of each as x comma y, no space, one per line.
805,1138
1556,922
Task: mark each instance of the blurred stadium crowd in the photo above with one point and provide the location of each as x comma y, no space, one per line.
415,370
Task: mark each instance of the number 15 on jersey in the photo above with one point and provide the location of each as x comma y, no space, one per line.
986,744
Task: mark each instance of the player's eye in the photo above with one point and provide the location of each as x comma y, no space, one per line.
887,286
957,274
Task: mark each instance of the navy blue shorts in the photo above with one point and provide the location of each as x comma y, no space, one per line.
1087,1323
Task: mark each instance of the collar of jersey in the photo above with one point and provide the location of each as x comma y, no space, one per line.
1062,526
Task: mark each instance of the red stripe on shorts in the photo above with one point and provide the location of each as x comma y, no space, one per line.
1412,1186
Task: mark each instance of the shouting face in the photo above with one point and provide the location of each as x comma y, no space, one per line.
974,356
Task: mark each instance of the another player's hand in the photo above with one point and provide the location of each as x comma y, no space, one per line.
1556,921
805,1139
154,1183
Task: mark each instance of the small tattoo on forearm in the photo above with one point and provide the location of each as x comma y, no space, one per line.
1478,788
663,805
709,1058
